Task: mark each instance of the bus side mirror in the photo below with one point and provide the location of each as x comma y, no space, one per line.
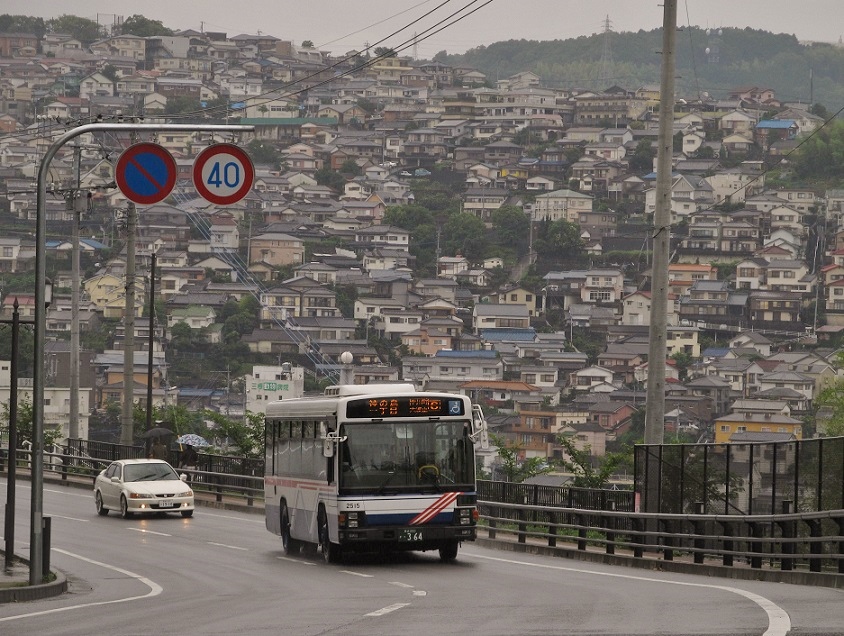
328,447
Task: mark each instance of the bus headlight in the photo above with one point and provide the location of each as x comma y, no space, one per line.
351,519
465,516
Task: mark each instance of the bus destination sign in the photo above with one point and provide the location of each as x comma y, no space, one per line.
404,406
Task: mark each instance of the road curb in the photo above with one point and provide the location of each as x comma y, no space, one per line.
18,593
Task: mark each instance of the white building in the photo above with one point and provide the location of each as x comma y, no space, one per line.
270,383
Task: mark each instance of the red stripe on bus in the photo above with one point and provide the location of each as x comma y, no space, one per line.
435,508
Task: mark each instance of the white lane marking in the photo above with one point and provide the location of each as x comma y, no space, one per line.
67,493
388,609
154,589
779,623
70,518
230,547
360,574
299,561
145,531
400,584
420,593
260,519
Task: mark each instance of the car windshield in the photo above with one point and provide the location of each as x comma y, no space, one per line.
148,472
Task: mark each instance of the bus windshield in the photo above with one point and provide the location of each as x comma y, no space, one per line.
406,455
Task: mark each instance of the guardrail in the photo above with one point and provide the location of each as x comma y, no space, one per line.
788,541
809,541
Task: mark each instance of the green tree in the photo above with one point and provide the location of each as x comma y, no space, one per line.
559,242
642,159
350,167
589,471
516,470
263,152
307,44
246,437
22,24
24,423
465,234
331,178
143,27
822,155
178,104
384,51
511,227
83,29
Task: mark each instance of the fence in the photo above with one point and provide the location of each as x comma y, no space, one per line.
741,478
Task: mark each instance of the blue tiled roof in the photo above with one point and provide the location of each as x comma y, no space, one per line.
781,124
497,334
466,354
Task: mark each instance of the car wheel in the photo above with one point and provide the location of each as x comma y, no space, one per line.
331,552
448,552
187,513
124,508
98,501
291,546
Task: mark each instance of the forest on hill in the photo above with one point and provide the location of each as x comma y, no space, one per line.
707,61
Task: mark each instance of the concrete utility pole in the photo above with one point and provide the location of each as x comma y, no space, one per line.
75,203
655,409
127,420
36,511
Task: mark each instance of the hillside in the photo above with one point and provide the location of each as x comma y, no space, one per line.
711,62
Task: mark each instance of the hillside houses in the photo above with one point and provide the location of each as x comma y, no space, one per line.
327,253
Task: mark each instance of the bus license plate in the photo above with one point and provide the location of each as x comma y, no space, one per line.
407,535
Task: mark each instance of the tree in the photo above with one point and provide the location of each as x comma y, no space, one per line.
246,437
511,227
384,51
263,152
465,234
559,242
307,44
143,27
588,473
331,178
24,423
516,470
82,29
22,24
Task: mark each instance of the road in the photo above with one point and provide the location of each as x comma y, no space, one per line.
222,573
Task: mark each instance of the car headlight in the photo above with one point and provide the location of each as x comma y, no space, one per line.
189,493
140,495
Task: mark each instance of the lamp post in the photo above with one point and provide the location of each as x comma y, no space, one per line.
36,534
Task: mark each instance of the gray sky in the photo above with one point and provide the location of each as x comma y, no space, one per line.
341,25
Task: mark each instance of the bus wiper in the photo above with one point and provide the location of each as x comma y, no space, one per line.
386,481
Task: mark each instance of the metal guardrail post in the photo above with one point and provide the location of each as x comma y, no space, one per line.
815,547
493,523
553,527
755,531
638,539
581,531
667,526
788,531
610,524
728,544
699,529
522,516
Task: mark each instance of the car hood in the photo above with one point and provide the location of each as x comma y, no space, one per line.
161,487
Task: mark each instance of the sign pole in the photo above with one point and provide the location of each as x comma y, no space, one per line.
36,530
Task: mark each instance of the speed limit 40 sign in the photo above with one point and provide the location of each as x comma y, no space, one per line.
223,174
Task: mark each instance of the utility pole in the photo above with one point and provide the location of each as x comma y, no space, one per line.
127,420
75,202
655,409
151,340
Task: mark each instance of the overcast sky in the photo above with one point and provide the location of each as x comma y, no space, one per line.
342,25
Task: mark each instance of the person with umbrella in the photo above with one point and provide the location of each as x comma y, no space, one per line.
159,450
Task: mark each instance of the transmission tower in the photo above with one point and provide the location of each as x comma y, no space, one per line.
605,66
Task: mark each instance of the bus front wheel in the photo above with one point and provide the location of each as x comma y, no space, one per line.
448,552
331,552
290,545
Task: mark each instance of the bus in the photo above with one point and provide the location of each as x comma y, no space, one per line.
378,467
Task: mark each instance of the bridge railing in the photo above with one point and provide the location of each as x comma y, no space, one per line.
787,541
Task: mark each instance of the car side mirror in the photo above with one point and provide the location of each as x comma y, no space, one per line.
115,480
183,477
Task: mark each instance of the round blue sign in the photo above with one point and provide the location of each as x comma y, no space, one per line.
145,173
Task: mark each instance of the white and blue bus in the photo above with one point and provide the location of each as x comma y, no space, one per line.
378,467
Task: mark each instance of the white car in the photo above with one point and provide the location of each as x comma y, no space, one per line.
143,486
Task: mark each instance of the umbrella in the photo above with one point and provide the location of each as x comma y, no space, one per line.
158,431
193,440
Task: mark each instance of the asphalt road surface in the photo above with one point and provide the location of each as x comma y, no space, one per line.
221,573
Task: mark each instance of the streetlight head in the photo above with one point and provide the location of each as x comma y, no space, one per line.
346,357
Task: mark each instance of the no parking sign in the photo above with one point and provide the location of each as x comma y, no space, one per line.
145,173
223,174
